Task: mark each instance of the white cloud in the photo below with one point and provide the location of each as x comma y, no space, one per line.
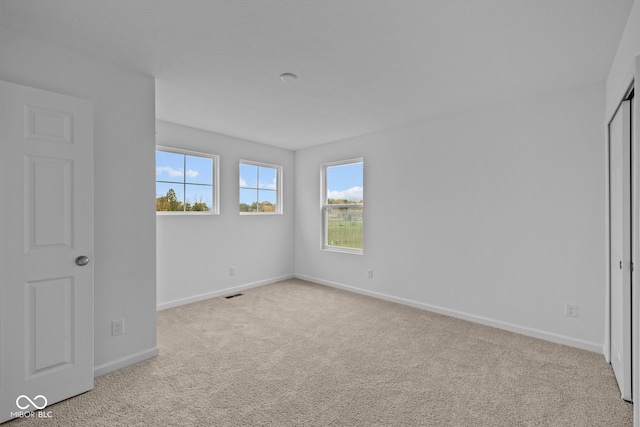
243,183
271,186
354,193
173,173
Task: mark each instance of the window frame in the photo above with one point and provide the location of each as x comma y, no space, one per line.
215,177
324,206
279,181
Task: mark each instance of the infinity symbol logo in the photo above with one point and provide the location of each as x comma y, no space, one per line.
31,402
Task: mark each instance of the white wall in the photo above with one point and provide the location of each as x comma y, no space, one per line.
124,185
194,253
495,215
622,69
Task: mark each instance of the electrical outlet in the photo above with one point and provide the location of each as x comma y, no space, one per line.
571,310
370,274
232,271
117,327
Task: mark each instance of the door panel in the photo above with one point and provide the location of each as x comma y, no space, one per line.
49,318
49,202
46,305
620,246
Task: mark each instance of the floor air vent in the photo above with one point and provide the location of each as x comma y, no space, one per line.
233,296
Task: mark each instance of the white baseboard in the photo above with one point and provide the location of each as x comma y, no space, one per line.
221,292
123,362
532,332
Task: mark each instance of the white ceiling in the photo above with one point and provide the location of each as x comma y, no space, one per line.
362,65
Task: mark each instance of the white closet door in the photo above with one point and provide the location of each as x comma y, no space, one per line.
620,234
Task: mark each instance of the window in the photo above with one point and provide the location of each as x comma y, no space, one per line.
260,188
186,182
343,206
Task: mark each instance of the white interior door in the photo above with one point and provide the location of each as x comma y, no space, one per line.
46,294
620,245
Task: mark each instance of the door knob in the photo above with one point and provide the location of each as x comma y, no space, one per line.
82,260
620,265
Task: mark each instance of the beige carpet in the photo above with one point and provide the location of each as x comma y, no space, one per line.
299,354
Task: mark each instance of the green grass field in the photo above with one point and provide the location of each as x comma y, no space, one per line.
346,234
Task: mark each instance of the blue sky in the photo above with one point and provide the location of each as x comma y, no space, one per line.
257,183
345,182
192,174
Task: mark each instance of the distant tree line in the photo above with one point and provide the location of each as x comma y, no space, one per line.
170,203
343,202
258,207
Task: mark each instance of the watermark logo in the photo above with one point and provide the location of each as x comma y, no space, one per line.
24,402
29,407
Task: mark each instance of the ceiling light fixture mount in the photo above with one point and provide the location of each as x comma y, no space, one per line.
288,77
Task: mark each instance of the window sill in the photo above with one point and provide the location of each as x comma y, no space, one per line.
260,213
188,213
343,250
